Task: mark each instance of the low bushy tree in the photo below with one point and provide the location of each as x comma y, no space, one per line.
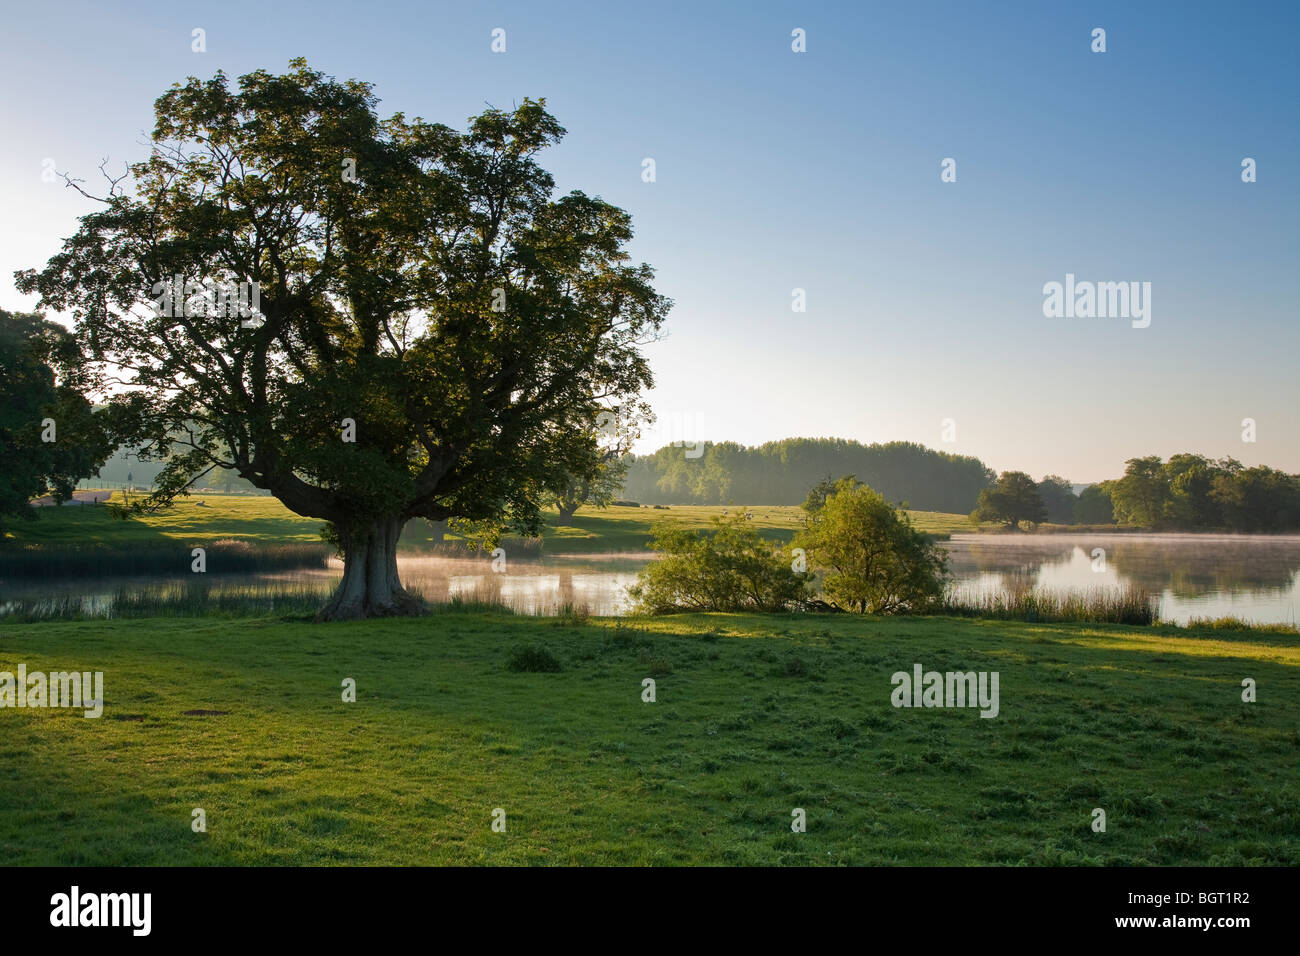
731,568
1015,498
868,556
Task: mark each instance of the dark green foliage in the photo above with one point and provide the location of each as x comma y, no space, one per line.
42,377
1194,493
1093,506
533,659
1015,498
1058,499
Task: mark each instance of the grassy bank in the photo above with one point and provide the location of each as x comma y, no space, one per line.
259,520
755,716
265,522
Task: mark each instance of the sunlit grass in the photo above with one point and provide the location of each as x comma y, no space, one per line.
244,517
754,716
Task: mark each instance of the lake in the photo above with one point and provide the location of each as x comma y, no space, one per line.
1253,577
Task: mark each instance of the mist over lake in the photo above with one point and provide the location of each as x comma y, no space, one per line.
1252,577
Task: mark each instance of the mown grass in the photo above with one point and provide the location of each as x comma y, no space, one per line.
754,717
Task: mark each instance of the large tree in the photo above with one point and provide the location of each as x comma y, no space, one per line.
50,435
1015,498
436,333
1141,496
1058,498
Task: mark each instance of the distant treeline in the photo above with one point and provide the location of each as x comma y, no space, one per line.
125,468
1194,493
782,472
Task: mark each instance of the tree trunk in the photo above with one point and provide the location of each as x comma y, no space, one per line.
567,511
370,585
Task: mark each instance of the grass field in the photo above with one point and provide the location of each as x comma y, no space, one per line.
237,517
755,716
628,529
264,520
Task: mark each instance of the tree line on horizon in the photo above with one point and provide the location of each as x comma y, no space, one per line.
1188,492
781,472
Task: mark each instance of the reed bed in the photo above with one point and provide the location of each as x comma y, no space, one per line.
200,598
206,598
1092,606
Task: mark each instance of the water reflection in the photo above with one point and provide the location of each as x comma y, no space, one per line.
1256,578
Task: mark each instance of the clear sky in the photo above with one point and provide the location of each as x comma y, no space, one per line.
778,170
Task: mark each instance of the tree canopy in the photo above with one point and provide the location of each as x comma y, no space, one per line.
1193,493
1015,498
434,331
50,435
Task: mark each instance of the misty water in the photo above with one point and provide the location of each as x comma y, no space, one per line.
1252,577
1256,578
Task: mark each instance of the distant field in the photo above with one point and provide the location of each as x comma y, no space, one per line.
755,716
242,517
264,520
628,529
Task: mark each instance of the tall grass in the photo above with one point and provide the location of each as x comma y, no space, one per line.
1239,624
200,598
1093,606
471,604
225,556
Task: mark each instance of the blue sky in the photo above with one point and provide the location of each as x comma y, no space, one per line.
820,171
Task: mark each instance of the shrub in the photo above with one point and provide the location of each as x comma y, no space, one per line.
868,555
730,569
570,614
533,660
